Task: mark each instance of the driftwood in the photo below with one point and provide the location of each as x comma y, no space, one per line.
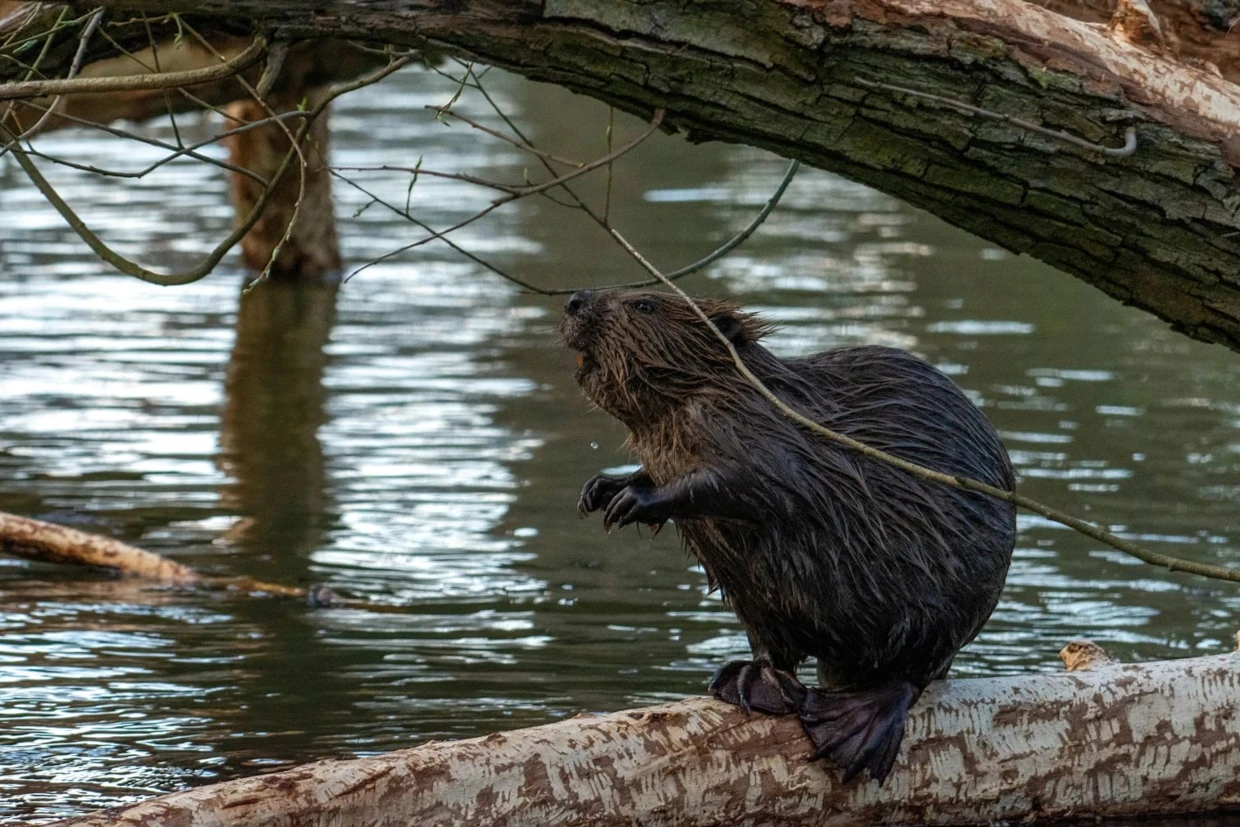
44,542
50,543
818,81
1119,740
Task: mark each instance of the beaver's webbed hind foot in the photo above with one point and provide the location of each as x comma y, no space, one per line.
758,686
861,729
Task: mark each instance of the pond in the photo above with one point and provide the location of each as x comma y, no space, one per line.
417,440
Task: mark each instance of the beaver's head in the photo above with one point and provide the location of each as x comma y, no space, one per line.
641,354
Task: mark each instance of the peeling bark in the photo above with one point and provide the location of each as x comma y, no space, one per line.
1117,740
1157,230
1199,31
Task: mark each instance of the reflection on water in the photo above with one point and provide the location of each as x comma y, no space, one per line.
414,438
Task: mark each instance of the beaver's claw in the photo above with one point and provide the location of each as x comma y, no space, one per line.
758,685
636,504
598,492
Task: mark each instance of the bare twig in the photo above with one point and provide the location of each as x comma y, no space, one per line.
602,221
130,83
274,64
172,117
521,192
131,268
721,251
114,258
963,483
495,133
92,25
174,151
408,216
611,127
31,70
559,181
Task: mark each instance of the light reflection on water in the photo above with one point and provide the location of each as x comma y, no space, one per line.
416,440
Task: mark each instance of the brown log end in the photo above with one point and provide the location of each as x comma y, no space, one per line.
1081,655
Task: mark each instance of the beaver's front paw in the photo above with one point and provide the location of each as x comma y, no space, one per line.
598,492
637,504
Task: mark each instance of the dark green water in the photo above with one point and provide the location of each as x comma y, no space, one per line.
417,440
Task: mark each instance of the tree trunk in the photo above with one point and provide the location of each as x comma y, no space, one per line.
1157,229
1123,740
310,251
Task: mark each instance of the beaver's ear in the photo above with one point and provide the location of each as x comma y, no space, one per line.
732,327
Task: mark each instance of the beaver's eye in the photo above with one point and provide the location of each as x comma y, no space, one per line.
645,306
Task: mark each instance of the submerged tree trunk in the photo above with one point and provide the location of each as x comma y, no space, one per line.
310,250
1121,740
1158,228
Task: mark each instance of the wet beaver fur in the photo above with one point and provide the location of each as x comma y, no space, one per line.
820,551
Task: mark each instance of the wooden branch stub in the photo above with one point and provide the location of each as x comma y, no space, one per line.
1119,740
50,543
1080,655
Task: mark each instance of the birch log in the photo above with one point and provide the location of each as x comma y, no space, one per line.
1159,737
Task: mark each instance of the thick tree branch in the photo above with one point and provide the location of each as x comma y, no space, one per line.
1157,229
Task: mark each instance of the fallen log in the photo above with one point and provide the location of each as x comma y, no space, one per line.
1119,740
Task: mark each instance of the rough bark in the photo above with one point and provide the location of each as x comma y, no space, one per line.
1156,229
1153,738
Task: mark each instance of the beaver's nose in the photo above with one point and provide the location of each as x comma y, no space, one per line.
578,301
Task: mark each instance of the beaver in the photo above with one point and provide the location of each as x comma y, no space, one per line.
820,551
